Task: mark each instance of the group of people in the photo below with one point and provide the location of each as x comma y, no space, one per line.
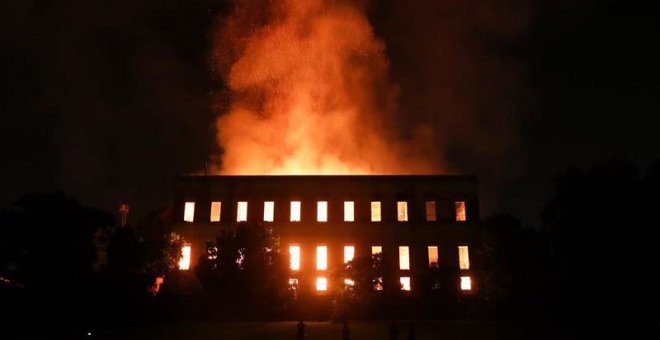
346,331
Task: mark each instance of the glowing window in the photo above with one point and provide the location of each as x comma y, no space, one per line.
375,212
404,258
295,211
321,284
294,252
375,250
466,283
184,261
322,211
463,257
349,282
405,282
460,211
241,212
215,211
433,256
321,258
402,211
349,211
269,211
430,211
189,212
378,283
349,253
293,283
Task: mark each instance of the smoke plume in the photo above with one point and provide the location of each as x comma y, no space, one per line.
310,93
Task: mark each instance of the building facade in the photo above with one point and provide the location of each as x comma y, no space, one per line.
416,222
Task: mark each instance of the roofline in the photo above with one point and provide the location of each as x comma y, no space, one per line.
472,178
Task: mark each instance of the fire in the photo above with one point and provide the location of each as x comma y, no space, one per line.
310,94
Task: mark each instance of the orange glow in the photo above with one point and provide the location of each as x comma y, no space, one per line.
322,211
293,283
294,252
184,261
241,212
463,257
375,212
321,258
215,211
310,93
349,211
404,258
321,284
405,282
430,211
295,211
349,253
433,256
269,211
402,211
349,282
189,212
466,283
375,250
460,211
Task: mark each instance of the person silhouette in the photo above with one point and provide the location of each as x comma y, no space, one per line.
345,331
300,334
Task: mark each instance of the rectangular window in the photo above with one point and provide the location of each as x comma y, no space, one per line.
294,252
405,282
375,211
460,211
241,212
402,211
269,211
349,211
215,211
349,282
430,211
466,283
433,256
378,283
293,283
404,258
375,250
189,212
184,261
321,258
322,211
321,284
295,211
463,258
349,253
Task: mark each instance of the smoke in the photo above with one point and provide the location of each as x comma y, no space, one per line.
310,93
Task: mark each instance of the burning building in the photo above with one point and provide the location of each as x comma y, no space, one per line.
416,222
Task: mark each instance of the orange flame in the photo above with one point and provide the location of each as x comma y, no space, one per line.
310,93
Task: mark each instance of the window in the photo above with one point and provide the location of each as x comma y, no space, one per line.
321,258
241,212
433,256
322,211
295,211
402,211
269,211
378,283
463,258
321,284
189,212
215,211
405,282
375,250
404,258
466,283
349,211
349,253
375,212
294,252
460,211
184,261
349,282
293,283
430,211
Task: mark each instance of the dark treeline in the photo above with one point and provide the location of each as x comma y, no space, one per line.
589,268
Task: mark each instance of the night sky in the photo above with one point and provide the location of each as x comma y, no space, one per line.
109,100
